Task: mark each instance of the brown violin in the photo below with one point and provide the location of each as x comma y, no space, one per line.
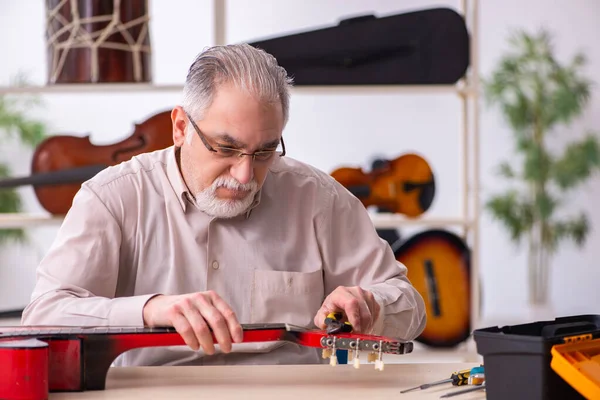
404,185
62,163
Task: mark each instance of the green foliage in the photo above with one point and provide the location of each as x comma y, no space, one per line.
514,211
10,202
16,124
577,163
537,94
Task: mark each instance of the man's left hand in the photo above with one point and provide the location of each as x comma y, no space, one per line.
358,304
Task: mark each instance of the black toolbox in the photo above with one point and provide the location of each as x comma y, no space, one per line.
517,358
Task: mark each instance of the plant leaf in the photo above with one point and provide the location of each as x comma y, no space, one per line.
577,163
10,202
537,164
545,205
506,170
514,212
575,229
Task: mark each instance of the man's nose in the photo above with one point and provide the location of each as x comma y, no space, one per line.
243,170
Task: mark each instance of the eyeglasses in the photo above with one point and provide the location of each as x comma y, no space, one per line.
229,152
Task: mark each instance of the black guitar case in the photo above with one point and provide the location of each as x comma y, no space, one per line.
421,47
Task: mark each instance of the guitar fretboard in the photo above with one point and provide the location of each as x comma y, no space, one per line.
24,331
19,332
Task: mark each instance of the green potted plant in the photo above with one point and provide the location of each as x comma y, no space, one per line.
537,96
17,124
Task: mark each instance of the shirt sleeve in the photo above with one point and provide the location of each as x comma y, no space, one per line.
355,255
76,281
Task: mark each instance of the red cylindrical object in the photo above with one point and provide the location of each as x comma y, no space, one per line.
24,370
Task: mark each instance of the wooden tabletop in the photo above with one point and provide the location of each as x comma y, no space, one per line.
276,382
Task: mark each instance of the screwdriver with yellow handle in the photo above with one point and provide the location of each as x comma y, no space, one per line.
458,378
334,323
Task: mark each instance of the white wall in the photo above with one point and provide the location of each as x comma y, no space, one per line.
575,271
329,129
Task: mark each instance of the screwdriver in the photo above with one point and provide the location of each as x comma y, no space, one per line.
334,323
472,389
457,378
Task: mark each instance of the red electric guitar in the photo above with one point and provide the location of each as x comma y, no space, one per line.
35,360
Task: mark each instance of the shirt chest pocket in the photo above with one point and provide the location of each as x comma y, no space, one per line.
286,296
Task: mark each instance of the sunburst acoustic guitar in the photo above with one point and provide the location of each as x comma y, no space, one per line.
438,264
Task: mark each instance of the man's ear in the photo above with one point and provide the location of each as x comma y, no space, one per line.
179,120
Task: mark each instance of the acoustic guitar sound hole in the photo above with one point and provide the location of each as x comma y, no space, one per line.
432,288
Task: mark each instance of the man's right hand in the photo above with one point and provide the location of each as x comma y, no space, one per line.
194,315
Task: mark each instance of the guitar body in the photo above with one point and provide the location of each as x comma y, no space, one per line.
438,264
36,360
404,185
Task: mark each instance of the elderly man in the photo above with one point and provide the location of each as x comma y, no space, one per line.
222,229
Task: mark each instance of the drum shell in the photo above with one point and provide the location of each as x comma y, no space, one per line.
95,53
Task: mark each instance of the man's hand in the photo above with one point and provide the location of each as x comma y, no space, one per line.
358,304
193,316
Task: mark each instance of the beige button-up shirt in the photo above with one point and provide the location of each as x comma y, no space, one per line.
133,232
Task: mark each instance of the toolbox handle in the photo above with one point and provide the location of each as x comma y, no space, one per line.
568,327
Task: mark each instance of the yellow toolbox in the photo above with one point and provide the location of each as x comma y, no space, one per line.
577,361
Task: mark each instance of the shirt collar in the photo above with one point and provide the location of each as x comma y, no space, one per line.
255,203
181,189
175,178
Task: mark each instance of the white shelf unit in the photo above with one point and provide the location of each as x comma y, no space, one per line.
118,88
380,220
467,90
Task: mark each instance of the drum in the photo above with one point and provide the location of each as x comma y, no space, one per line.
98,41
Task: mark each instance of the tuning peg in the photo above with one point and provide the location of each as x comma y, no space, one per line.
333,360
379,362
355,349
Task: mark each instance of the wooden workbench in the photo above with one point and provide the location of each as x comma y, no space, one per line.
276,382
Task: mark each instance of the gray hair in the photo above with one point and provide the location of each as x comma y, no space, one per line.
249,68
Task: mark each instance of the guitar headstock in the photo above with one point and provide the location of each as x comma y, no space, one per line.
354,343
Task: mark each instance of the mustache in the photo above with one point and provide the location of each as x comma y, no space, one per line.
233,184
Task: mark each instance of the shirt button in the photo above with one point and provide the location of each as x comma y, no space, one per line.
215,265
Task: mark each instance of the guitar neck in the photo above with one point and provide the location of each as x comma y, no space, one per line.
127,338
145,336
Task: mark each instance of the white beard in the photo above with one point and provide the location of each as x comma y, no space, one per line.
208,201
